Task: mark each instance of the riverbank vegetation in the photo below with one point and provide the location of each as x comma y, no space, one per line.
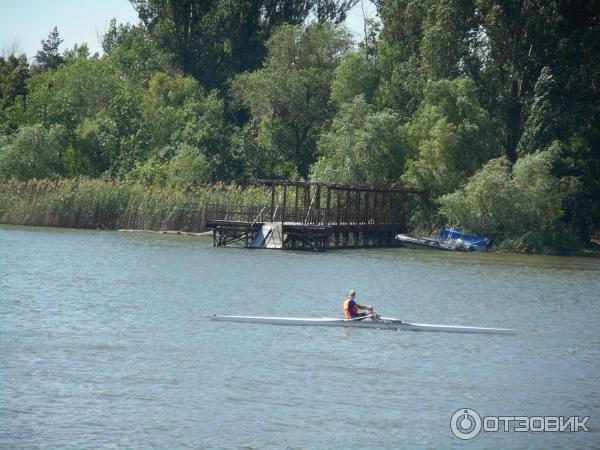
94,203
492,107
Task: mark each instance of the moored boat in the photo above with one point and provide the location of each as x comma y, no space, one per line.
473,242
449,239
425,243
381,323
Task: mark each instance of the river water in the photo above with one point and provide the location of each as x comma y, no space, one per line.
104,343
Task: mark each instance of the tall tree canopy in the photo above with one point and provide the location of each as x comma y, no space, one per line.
503,45
49,56
229,34
289,98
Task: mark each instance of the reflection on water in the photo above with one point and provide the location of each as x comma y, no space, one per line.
103,342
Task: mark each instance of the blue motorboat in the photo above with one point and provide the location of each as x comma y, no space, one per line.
471,241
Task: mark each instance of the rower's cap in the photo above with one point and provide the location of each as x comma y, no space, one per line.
352,292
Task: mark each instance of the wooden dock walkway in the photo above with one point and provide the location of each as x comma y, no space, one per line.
312,216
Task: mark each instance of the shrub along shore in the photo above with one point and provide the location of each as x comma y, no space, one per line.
94,203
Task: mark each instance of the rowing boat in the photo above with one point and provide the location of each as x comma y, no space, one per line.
381,323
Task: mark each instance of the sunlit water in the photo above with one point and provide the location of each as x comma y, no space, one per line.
103,343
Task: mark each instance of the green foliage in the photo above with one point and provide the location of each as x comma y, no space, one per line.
522,38
423,41
194,32
187,167
33,152
401,89
178,111
49,56
450,41
356,75
14,73
450,137
362,147
537,128
79,51
289,99
522,206
71,93
213,40
84,156
120,137
132,53
579,161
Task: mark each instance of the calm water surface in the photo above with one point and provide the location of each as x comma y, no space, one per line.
103,343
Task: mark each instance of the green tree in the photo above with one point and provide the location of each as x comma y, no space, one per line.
423,41
527,42
177,111
449,138
451,42
79,51
14,74
118,134
85,155
402,82
540,124
73,92
210,40
289,98
579,160
521,205
49,56
132,52
356,75
33,152
213,39
362,147
189,166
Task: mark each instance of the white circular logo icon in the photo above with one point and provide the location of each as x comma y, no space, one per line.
465,423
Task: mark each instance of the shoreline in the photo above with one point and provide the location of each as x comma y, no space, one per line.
184,233
586,253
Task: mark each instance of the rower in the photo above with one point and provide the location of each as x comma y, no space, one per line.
351,308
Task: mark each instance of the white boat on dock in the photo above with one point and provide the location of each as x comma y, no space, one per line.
367,322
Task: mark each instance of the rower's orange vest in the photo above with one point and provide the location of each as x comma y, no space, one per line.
350,309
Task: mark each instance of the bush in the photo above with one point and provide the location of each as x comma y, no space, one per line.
522,206
449,139
33,152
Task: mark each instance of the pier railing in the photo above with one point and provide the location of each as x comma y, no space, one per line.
312,216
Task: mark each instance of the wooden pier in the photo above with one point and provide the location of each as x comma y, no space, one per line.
312,216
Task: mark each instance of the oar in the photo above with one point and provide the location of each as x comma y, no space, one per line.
357,319
389,327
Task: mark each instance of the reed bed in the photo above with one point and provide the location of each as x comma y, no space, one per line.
94,203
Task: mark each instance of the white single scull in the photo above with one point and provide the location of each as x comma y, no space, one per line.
382,323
